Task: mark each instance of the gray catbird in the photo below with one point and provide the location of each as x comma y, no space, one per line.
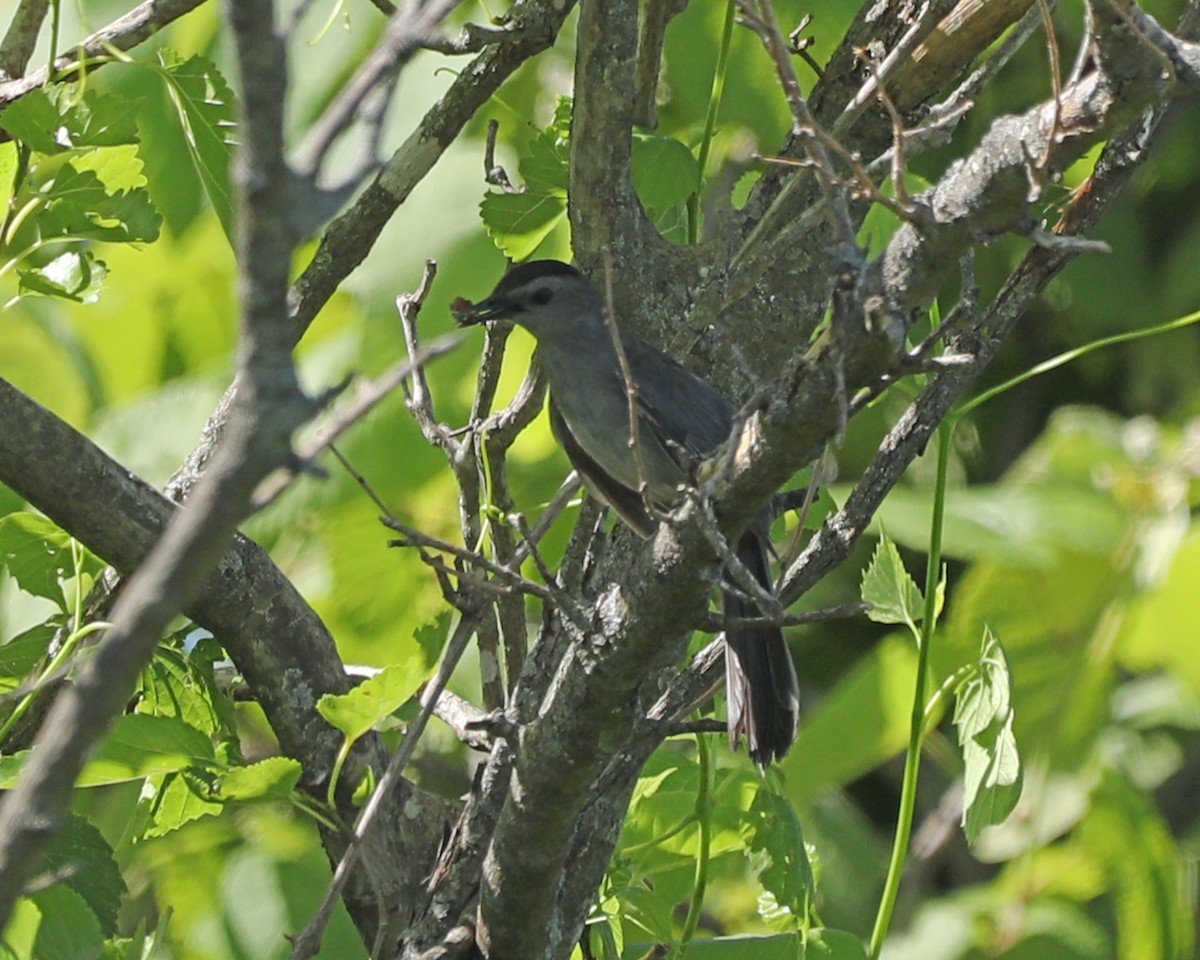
681,420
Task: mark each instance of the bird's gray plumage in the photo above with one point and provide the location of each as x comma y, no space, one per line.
681,420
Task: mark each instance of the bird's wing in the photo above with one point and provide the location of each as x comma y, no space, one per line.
628,503
688,416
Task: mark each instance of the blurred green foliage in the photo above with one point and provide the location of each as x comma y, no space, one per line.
1070,533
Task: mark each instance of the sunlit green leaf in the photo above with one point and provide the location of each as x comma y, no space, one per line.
272,779
889,588
204,105
37,554
57,117
77,205
983,716
373,700
74,275
518,222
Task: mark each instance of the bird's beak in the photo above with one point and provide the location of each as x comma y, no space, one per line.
470,314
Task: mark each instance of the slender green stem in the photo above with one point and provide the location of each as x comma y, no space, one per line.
704,818
682,825
55,19
1066,357
338,762
912,757
710,122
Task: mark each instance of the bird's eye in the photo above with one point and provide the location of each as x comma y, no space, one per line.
542,296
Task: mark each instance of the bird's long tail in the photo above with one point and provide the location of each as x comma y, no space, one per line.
760,678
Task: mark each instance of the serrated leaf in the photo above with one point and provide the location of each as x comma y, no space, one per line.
119,168
82,857
664,171
890,589
70,930
179,684
76,204
545,167
992,779
518,222
775,842
180,798
33,120
57,118
272,779
37,554
985,697
373,700
75,275
983,717
204,105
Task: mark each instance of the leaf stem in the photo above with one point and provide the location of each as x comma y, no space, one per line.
710,122
912,757
704,818
1067,356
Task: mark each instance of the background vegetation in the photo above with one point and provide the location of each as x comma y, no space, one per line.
1069,531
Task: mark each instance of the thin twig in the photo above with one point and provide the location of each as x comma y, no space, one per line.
493,173
308,943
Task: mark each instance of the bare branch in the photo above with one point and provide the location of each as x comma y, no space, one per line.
124,33
21,38
656,15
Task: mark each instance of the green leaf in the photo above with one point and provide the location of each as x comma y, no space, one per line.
180,798
82,857
24,655
77,205
664,171
138,746
75,275
56,118
179,684
37,554
272,779
826,944
983,716
373,700
888,587
991,779
21,932
518,222
778,858
985,697
779,946
69,931
545,169
34,120
204,105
